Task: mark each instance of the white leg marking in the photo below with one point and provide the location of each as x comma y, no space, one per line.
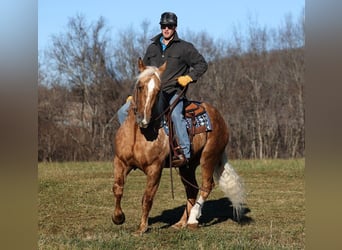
196,211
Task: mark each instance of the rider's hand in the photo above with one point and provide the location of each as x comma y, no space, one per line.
184,80
129,98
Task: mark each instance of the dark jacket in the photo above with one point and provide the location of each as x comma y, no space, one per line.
182,59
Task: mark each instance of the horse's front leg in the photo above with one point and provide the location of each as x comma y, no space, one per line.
153,173
120,173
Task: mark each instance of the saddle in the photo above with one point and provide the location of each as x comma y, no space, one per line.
192,110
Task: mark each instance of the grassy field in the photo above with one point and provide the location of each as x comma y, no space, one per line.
75,204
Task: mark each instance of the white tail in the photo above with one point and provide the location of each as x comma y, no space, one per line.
231,185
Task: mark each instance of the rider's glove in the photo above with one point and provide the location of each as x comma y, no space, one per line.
184,80
129,98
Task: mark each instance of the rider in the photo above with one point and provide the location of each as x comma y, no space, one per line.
184,65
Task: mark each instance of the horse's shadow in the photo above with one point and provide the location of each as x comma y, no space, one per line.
213,212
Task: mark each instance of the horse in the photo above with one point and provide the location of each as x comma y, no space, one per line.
141,143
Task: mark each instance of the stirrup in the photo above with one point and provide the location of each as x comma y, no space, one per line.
179,161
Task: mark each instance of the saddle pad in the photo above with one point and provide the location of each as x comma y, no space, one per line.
201,120
202,123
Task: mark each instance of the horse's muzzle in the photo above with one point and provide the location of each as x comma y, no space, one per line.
143,125
142,121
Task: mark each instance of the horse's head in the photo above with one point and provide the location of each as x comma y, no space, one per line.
146,92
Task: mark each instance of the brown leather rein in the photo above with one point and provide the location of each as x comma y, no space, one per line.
170,109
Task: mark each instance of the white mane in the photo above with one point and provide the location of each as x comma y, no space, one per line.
150,70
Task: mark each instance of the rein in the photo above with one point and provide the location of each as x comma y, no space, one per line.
170,108
172,105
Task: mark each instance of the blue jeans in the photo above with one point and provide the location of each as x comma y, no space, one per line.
123,112
177,118
180,127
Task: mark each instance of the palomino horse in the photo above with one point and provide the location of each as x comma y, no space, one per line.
141,143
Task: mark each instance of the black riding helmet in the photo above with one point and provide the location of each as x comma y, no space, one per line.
168,18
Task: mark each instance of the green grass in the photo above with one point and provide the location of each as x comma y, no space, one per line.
75,204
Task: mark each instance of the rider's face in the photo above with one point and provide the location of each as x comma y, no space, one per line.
168,31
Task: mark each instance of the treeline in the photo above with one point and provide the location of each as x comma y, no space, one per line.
256,80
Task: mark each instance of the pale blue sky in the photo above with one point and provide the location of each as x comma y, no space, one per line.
216,17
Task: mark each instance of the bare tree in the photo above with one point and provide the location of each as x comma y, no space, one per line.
128,47
291,68
51,112
81,59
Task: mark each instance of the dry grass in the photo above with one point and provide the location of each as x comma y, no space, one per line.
75,204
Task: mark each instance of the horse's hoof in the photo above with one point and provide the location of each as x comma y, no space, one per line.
119,219
178,226
193,226
137,233
140,232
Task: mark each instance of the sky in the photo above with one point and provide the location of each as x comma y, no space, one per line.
216,17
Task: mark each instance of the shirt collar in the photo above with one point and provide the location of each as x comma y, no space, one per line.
161,43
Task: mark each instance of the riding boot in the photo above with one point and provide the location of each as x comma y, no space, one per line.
179,161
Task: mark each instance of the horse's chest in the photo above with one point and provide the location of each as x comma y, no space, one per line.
150,148
150,151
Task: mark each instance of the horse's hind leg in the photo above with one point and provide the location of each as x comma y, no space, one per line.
120,173
208,163
190,184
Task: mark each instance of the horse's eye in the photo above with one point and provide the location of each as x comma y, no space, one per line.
140,88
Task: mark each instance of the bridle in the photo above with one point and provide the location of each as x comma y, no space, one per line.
135,97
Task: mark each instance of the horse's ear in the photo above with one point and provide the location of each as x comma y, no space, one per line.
162,68
141,65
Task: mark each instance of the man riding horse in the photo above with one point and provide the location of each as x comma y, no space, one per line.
184,65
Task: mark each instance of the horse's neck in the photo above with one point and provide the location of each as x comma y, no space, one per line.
130,120
149,133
